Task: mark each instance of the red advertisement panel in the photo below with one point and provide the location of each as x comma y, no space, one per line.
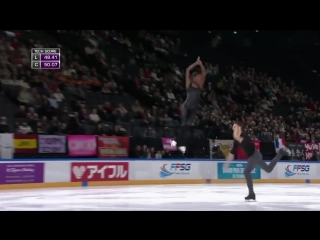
99,171
113,147
241,155
310,148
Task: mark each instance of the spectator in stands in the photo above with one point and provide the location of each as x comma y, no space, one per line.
123,117
144,151
44,121
63,128
158,155
105,89
165,120
59,96
165,153
54,127
25,96
4,127
94,117
84,115
152,153
102,113
40,129
138,153
170,95
32,120
108,108
64,114
149,132
45,107
137,108
315,156
21,112
112,85
121,109
24,128
53,101
119,130
74,125
100,130
32,113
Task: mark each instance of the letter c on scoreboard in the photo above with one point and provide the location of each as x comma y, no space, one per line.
35,65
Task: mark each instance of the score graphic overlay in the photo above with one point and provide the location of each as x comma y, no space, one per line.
45,58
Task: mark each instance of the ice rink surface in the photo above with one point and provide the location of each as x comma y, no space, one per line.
209,197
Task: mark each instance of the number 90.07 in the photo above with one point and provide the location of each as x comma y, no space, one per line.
53,64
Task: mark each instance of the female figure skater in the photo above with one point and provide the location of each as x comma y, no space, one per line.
242,140
195,77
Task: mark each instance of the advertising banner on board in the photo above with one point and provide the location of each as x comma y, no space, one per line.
235,171
82,145
24,143
99,171
17,173
113,147
52,144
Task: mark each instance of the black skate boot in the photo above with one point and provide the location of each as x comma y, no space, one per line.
285,151
251,196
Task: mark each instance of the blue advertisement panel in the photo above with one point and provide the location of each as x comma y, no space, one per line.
235,171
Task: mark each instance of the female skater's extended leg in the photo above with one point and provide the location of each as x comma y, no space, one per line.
181,141
188,116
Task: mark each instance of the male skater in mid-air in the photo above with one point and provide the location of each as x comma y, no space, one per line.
242,140
195,77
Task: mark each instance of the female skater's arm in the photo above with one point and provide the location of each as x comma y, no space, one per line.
203,73
188,80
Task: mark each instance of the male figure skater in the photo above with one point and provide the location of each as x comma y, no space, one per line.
194,83
242,140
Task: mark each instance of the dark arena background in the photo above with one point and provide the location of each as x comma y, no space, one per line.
90,116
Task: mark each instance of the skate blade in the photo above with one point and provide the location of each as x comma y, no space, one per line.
251,200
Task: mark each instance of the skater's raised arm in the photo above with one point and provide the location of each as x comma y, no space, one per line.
188,80
203,73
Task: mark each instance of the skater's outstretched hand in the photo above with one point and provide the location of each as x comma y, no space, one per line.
229,158
226,164
199,61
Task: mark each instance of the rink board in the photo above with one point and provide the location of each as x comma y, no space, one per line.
57,173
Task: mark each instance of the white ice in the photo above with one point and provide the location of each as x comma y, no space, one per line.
222,197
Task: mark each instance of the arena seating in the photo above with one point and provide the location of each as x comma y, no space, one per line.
131,83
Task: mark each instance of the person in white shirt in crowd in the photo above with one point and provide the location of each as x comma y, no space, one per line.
58,96
112,84
121,109
170,95
153,75
24,128
24,96
158,155
53,101
94,117
69,72
177,70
